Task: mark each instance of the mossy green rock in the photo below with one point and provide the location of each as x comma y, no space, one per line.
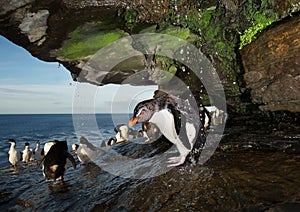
76,30
86,40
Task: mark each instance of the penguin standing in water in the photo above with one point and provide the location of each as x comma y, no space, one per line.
178,126
27,153
55,161
14,155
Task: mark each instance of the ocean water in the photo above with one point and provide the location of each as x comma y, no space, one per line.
46,127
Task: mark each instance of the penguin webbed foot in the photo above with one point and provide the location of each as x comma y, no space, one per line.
148,140
176,161
72,160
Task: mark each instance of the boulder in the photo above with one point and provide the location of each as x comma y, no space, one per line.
272,67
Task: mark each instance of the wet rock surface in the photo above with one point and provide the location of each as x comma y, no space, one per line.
229,181
253,169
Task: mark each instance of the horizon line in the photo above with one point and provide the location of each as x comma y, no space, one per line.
60,113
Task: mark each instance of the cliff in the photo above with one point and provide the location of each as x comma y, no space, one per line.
260,72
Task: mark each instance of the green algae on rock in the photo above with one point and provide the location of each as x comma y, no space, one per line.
85,41
217,28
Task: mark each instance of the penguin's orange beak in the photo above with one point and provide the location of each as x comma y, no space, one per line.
132,121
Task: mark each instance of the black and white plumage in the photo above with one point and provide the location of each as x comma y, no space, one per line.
27,153
54,163
47,146
150,131
176,119
14,155
85,151
121,131
216,115
38,151
112,141
122,135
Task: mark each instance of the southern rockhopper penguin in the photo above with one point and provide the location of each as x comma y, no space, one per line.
55,161
176,120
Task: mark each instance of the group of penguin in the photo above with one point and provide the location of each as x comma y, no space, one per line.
86,152
14,155
160,115
178,121
52,157
149,131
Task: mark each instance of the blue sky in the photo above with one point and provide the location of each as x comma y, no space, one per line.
31,86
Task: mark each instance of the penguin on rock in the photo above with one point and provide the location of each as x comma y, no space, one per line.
14,155
176,120
121,131
27,153
122,135
38,151
54,163
149,131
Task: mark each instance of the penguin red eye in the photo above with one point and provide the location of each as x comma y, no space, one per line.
143,112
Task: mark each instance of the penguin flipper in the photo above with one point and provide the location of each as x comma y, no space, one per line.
70,157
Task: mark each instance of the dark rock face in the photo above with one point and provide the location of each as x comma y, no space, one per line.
42,27
272,68
71,32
